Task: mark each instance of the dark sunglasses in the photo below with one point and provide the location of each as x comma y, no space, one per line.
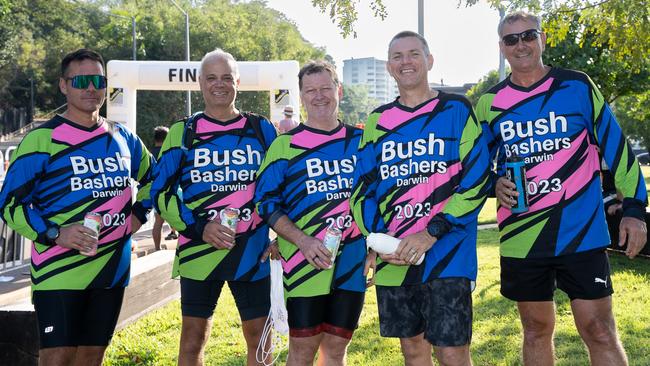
83,81
526,36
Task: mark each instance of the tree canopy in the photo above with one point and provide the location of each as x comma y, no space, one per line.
608,39
36,34
356,105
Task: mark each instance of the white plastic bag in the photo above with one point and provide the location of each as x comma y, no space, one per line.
277,323
385,244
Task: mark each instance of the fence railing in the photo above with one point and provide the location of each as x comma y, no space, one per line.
13,250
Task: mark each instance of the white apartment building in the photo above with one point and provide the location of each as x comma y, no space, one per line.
372,73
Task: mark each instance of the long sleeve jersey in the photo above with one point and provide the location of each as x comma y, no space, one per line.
216,170
307,175
60,172
417,165
557,126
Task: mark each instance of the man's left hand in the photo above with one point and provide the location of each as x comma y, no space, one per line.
415,245
135,224
633,231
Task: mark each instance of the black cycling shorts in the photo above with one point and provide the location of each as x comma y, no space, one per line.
199,298
71,318
583,275
336,313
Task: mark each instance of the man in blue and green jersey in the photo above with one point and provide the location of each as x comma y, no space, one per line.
213,156
556,121
422,177
74,164
302,192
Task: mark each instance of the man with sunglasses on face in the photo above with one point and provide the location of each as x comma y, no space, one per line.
75,164
554,120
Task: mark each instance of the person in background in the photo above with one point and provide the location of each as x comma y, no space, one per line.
287,124
159,134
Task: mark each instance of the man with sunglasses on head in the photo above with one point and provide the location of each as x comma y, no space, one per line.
75,164
554,120
421,177
214,156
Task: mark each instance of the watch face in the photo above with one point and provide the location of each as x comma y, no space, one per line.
52,233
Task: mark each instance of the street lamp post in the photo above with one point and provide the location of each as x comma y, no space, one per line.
188,104
502,61
421,17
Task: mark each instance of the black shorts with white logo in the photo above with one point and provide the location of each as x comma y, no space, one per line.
441,308
71,318
583,275
199,298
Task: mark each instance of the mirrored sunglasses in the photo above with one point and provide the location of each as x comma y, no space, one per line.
83,81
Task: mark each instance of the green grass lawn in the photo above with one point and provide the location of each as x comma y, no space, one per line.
153,340
488,214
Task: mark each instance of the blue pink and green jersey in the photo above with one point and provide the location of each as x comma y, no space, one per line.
418,165
558,126
60,172
307,175
216,170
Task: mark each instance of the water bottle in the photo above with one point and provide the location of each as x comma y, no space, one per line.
516,173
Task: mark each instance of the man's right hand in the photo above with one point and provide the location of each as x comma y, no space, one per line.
78,237
315,252
218,236
506,192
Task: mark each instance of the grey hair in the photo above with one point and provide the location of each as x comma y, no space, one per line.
520,15
405,34
218,53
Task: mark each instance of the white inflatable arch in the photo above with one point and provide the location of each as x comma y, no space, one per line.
125,78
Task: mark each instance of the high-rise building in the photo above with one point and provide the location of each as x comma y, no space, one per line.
372,73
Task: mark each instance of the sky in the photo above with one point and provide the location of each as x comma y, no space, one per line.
463,41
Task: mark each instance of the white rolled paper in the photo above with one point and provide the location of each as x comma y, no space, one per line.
385,244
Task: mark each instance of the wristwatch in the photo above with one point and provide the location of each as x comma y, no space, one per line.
52,234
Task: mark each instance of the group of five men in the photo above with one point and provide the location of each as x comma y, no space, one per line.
420,171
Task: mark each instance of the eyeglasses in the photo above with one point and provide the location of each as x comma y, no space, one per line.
83,81
526,36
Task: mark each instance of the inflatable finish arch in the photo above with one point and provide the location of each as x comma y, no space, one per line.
125,78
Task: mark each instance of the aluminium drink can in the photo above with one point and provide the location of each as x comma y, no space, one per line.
93,221
332,240
516,173
229,218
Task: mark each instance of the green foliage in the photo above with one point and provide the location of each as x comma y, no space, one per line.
153,340
356,105
344,13
486,82
633,114
621,26
580,49
42,31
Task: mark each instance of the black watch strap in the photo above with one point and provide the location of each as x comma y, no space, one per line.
52,233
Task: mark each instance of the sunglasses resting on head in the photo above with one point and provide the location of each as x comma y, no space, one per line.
83,81
528,35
